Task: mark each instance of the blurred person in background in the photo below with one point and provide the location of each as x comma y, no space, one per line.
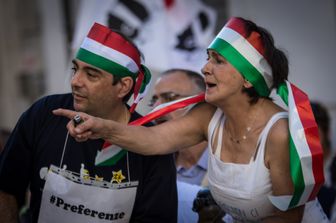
191,162
333,183
4,135
327,193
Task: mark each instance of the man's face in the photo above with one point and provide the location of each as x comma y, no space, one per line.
92,90
170,87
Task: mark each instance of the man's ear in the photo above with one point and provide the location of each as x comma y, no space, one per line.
247,84
126,84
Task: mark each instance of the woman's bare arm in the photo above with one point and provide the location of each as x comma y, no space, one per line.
161,139
277,160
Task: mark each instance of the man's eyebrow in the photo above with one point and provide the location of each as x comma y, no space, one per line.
92,69
74,63
87,67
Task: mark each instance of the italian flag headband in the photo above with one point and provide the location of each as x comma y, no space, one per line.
110,52
246,54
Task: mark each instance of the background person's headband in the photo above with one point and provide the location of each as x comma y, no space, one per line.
112,53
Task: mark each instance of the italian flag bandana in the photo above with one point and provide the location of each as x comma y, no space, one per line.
246,54
110,52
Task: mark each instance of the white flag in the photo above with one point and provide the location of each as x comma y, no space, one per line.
170,33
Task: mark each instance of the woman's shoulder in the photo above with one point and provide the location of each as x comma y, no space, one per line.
276,120
204,108
203,112
278,138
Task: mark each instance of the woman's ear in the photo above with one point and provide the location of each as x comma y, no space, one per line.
126,84
247,84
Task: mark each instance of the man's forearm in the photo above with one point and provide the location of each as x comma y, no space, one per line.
8,208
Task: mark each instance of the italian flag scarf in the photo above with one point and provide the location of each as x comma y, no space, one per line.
246,54
112,53
110,154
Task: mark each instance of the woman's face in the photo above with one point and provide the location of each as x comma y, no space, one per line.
221,78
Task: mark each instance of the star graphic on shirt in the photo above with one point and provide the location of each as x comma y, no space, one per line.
97,178
117,177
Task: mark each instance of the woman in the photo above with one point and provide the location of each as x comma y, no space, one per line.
247,133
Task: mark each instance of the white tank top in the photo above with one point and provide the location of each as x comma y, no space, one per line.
242,189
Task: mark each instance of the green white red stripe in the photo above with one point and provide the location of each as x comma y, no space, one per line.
110,54
110,154
107,37
245,54
142,86
306,157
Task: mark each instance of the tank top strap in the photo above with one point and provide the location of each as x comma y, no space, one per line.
263,136
216,124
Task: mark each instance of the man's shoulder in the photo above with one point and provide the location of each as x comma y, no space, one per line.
55,101
57,98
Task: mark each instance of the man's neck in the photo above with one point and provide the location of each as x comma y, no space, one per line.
119,113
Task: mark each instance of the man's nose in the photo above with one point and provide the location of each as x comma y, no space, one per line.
77,79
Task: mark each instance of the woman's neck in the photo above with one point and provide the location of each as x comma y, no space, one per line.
188,157
241,119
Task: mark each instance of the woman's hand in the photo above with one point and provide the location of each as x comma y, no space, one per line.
89,128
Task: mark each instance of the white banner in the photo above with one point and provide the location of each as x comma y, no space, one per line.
169,36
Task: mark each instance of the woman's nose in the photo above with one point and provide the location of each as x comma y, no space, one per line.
206,69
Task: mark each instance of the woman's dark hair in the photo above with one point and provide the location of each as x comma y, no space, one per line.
275,57
117,79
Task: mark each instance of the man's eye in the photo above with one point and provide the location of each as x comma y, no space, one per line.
92,75
74,70
219,61
171,96
152,101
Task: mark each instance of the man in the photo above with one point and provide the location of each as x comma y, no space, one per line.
74,181
192,162
327,193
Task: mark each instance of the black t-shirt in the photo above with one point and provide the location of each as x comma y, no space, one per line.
38,140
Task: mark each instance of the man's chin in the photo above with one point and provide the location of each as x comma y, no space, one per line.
79,108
